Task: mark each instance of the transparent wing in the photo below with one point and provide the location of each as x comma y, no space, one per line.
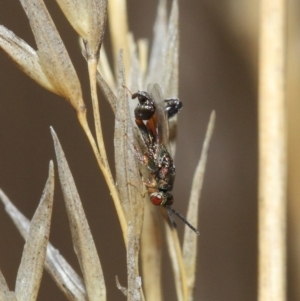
160,116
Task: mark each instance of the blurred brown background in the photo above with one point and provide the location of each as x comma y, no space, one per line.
218,70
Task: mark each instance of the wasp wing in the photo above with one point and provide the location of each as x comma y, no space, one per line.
160,118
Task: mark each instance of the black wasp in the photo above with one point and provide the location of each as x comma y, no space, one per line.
151,117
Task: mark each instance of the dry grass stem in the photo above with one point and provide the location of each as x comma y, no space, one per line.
134,291
127,174
143,47
151,253
158,44
190,239
272,152
176,258
104,68
107,91
118,25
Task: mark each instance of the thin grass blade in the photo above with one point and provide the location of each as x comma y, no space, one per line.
32,263
134,292
135,78
151,253
127,172
190,239
24,57
129,184
107,91
53,55
160,37
5,293
105,69
118,25
70,283
143,49
83,242
120,141
176,258
170,54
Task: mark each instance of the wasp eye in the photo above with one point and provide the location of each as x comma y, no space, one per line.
156,198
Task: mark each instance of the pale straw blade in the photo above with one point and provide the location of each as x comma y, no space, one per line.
121,144
176,258
24,57
69,282
129,184
143,49
53,55
127,172
190,239
77,14
32,263
160,37
97,12
63,274
118,25
5,293
107,91
105,69
272,129
169,81
135,78
83,242
134,292
151,253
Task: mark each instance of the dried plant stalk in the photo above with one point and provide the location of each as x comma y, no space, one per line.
176,257
272,153
190,239
118,25
151,253
104,68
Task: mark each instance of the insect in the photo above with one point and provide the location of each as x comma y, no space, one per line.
151,117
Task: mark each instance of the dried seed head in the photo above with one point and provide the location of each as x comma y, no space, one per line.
88,18
24,57
51,64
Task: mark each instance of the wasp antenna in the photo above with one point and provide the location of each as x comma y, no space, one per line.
171,218
124,86
183,219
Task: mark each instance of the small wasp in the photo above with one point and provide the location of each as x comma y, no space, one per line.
152,118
